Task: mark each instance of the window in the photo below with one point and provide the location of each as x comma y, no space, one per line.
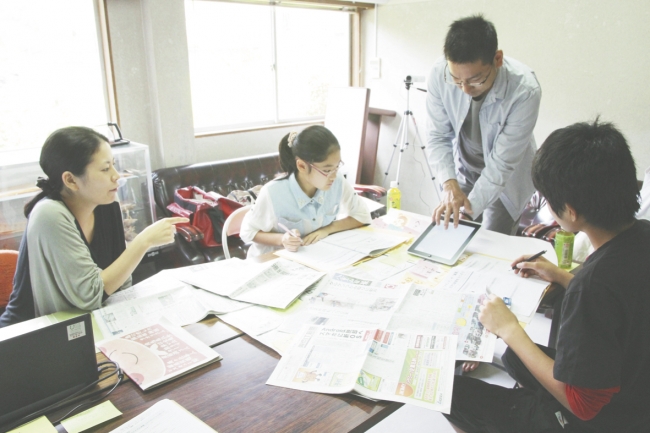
254,65
51,70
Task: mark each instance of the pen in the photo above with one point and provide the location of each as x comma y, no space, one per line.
531,258
286,229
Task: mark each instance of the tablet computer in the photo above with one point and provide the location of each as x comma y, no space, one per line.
444,246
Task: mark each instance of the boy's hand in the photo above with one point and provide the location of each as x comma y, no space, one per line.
497,317
543,269
470,366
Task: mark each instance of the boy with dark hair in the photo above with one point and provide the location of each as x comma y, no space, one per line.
598,380
482,108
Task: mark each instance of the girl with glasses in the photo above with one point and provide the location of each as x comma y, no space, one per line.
301,207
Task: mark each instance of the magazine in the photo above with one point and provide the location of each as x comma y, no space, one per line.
157,353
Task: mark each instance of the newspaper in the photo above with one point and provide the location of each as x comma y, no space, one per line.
140,306
344,248
481,274
414,368
275,284
342,301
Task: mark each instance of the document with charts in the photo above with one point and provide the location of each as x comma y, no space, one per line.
273,284
480,274
336,300
407,367
345,248
440,312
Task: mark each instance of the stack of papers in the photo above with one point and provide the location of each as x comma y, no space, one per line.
482,274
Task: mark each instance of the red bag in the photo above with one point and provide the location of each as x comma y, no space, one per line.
206,211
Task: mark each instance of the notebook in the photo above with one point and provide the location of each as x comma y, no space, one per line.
43,366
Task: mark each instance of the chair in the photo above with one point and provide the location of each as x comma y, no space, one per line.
8,260
232,226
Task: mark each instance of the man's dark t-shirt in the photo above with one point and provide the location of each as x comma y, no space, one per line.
604,338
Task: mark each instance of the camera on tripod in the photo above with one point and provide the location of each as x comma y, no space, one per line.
402,140
414,79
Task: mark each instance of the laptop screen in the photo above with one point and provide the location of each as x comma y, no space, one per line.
44,366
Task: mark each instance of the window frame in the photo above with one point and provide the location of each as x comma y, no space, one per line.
106,59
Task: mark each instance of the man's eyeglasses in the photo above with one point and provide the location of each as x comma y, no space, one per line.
327,173
450,79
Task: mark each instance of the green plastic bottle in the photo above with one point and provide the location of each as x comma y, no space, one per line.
394,196
564,248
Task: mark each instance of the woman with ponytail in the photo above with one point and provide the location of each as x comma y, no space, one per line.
73,252
307,199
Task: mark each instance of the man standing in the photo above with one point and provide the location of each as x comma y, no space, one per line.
482,108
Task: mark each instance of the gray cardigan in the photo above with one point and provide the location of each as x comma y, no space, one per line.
63,273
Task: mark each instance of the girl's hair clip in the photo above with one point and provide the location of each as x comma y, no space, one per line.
292,138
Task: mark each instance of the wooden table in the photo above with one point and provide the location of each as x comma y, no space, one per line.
232,396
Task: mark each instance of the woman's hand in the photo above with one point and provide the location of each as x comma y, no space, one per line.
160,233
291,242
543,269
316,236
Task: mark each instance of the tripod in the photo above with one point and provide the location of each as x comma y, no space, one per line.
402,139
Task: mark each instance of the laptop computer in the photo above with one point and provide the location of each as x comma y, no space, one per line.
43,366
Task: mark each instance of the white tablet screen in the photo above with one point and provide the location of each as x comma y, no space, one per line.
445,243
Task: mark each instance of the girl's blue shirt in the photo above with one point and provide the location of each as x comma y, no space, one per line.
283,201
